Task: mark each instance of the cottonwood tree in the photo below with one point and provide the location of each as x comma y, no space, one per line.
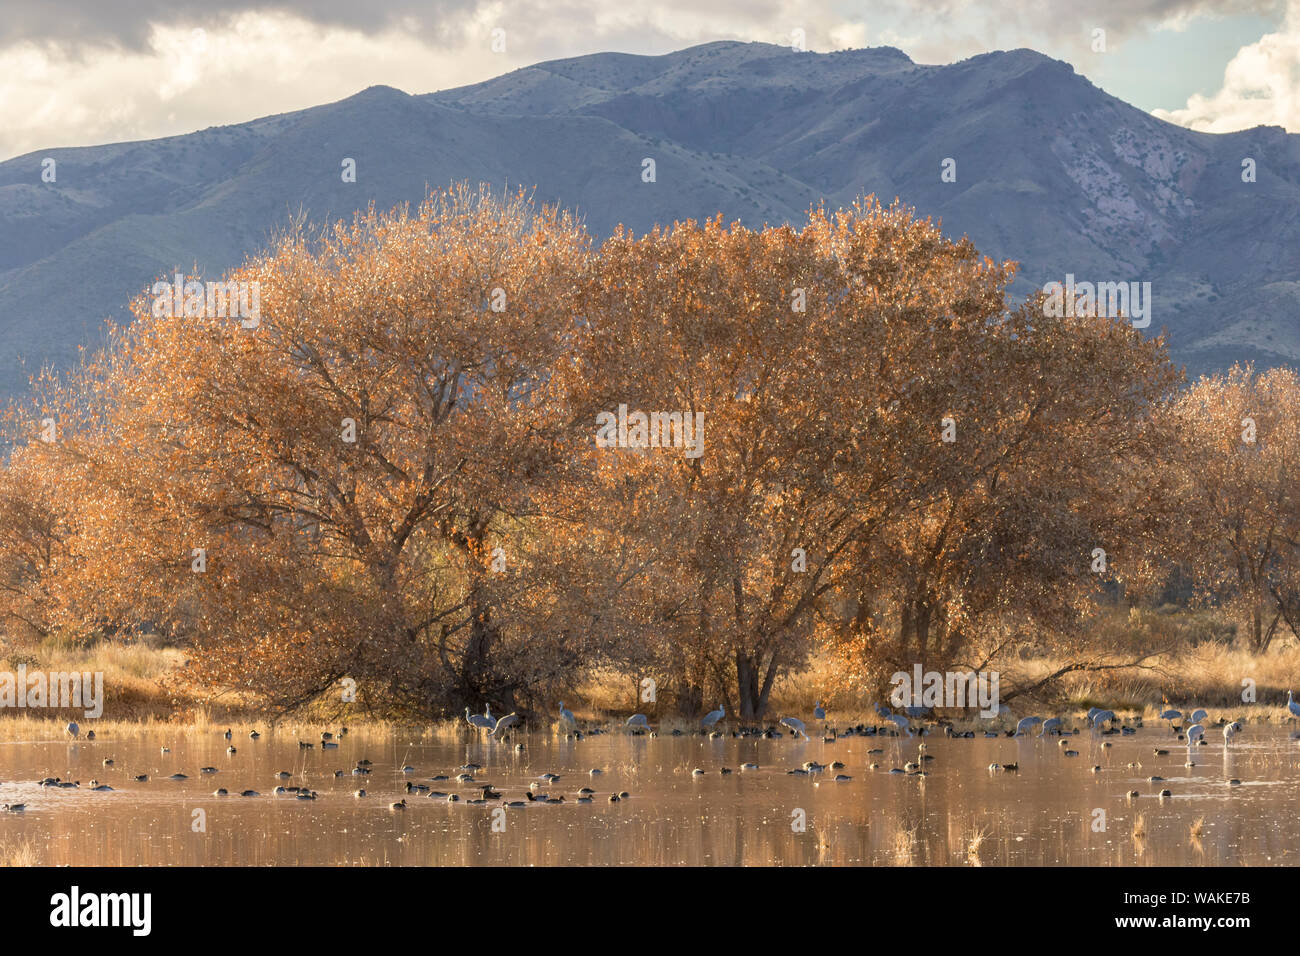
356,486
1235,450
812,414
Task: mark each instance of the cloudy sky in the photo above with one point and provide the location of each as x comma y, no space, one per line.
84,72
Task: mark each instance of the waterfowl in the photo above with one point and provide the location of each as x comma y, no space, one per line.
1165,793
305,794
724,771
584,799
613,798
1025,724
901,722
363,762
795,724
697,772
623,794
415,787
14,807
229,733
328,745
282,775
713,716
178,776
253,735
220,792
231,750
549,777
100,787
207,770
452,798
1013,767
306,745
165,750
108,762
360,793
141,778
326,735
749,766
90,735
506,722
399,805
595,772
408,769
586,791
250,793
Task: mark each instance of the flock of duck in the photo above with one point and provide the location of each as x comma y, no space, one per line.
1189,728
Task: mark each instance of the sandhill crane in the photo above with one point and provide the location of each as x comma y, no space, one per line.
1100,717
566,714
1050,726
478,720
819,713
1171,715
714,716
1292,706
795,724
1026,723
900,722
1229,730
509,720
72,729
637,722
1198,715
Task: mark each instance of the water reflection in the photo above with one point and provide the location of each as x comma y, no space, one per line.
1055,810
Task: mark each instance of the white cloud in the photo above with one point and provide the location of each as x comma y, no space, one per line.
1261,86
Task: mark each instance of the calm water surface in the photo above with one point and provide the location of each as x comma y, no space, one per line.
1044,814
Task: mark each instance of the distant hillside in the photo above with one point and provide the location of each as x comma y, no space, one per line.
1051,171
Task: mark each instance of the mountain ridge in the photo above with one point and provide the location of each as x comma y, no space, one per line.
1051,171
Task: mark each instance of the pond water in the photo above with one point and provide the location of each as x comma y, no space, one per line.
1054,810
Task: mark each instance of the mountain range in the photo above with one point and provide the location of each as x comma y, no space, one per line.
1049,170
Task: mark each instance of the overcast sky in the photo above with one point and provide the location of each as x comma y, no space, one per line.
83,72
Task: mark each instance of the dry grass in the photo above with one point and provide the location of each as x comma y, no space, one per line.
1198,659
977,838
1140,827
19,853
